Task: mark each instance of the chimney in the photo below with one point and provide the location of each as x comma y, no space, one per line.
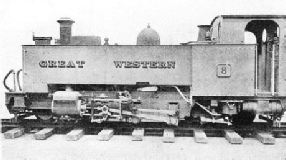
204,34
65,30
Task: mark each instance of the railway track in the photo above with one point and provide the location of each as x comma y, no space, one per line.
75,130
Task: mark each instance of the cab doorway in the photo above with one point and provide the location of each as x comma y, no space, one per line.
267,57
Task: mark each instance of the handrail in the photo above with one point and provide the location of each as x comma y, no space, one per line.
18,80
256,71
4,81
273,70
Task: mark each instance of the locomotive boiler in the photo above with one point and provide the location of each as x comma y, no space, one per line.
217,78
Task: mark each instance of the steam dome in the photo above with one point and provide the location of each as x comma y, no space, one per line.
148,36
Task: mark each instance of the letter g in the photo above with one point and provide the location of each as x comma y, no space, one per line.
43,64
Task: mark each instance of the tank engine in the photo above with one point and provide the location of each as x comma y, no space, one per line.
215,79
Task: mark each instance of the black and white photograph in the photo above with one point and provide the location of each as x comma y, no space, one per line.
143,79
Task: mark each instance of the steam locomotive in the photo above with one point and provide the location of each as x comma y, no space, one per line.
217,78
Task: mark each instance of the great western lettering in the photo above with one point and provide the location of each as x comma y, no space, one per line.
61,64
145,64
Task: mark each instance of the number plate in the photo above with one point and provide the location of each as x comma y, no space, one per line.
223,70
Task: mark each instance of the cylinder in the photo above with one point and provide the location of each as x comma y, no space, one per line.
263,107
